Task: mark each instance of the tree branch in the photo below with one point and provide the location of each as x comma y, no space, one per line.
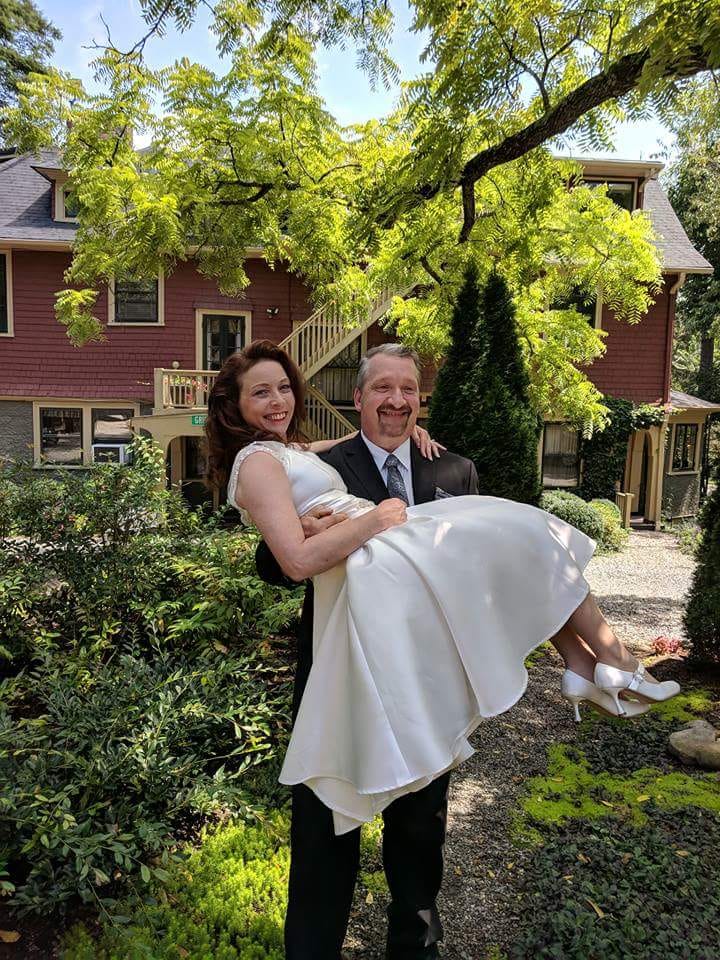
613,83
425,263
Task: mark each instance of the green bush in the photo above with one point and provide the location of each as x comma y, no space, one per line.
141,684
702,614
226,901
573,510
599,519
614,535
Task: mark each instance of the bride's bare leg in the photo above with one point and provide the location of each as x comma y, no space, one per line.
575,652
589,623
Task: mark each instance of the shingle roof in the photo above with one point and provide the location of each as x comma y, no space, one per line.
685,401
677,251
25,201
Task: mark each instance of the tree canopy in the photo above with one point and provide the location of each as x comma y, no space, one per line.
460,171
26,43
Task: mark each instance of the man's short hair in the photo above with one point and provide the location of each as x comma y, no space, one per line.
390,350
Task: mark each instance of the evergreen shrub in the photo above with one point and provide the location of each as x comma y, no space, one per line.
573,510
480,405
702,613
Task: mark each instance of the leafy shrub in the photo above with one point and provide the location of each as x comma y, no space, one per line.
226,901
143,687
614,535
573,510
689,536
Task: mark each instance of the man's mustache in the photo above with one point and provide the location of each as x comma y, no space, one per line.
407,410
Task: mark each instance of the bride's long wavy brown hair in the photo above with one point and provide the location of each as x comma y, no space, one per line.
225,429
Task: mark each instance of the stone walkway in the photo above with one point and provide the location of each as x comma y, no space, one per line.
641,591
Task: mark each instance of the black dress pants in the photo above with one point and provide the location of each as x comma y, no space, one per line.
323,871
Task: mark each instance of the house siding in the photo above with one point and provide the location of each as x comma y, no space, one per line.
40,361
636,363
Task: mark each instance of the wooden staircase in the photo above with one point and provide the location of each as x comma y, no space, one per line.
317,341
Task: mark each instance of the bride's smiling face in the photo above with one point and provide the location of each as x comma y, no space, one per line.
267,401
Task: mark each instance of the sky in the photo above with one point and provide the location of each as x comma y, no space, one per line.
345,88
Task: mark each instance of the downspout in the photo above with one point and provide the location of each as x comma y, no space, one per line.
660,472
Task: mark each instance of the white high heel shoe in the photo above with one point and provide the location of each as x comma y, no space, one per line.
614,681
577,689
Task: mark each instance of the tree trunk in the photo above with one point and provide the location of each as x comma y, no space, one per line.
707,355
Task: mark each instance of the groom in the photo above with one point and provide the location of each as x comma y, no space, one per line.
380,462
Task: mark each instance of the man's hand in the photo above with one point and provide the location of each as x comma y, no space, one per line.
320,519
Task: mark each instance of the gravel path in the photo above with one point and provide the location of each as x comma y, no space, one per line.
641,592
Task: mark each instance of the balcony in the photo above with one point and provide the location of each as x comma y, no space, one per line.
179,390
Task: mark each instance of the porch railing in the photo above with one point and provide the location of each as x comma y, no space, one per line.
182,389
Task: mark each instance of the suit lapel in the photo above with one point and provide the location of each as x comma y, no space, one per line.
361,475
423,475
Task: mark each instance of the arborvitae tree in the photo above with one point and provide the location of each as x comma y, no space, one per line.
702,614
503,428
448,407
483,410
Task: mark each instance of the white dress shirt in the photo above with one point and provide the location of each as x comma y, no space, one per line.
402,453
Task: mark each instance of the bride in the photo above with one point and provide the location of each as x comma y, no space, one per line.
424,614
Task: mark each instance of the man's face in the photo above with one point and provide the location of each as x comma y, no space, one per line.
389,401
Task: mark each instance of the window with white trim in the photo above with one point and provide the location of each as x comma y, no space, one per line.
136,301
66,204
621,192
61,436
6,327
81,433
560,456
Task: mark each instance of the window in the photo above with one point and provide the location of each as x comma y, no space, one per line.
81,434
620,192
66,205
560,456
61,435
577,299
70,204
110,434
5,295
685,446
136,301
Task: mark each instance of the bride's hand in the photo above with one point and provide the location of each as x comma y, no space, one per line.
390,513
428,447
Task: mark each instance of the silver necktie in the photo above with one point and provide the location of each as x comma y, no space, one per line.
395,483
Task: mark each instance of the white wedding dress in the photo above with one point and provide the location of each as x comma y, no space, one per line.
420,634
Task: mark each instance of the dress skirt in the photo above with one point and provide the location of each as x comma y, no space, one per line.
421,634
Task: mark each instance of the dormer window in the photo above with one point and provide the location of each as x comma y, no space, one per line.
621,192
66,205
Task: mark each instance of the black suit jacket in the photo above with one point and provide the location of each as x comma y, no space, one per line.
448,475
